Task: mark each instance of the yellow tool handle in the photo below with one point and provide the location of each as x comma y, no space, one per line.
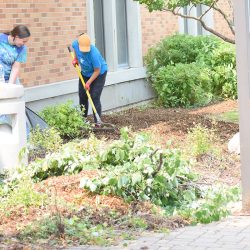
83,83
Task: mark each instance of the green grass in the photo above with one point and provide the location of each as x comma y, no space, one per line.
231,116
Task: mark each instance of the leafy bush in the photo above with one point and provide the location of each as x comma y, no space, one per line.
41,142
224,54
222,62
179,49
183,85
213,58
66,118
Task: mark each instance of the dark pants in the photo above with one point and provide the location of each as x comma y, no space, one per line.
96,88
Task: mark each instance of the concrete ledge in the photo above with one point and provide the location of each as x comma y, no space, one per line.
10,91
123,88
71,86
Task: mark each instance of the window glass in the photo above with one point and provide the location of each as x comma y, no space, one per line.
121,29
199,13
99,26
185,12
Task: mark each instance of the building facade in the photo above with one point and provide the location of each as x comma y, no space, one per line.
123,30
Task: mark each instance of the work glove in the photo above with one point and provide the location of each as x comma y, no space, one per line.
75,62
87,86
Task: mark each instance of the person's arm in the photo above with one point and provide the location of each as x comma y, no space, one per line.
14,72
95,74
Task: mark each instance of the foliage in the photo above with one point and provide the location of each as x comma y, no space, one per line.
21,193
142,173
137,171
223,71
191,71
41,142
87,226
179,49
183,85
201,140
214,206
67,119
70,159
75,229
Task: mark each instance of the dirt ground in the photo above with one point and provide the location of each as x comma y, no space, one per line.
163,124
171,122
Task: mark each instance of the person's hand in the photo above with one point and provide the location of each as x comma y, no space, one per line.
87,86
75,62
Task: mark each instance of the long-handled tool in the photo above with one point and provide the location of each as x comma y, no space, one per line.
103,126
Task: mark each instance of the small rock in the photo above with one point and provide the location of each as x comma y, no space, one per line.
234,144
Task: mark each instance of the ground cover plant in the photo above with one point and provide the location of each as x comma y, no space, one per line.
137,165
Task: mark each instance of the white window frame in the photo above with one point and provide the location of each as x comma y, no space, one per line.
133,35
193,27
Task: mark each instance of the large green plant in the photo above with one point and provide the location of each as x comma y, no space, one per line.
66,118
191,71
183,85
222,62
179,49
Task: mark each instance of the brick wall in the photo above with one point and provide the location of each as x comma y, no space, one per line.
155,26
53,25
220,24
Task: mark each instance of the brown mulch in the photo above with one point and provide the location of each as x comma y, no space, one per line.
171,121
163,124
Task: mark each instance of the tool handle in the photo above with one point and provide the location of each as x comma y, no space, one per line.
83,83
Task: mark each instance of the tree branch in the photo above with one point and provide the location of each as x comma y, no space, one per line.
226,19
203,24
210,7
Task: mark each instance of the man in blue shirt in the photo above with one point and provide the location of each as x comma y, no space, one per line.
93,69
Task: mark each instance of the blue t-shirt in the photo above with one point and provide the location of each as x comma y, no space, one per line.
90,60
10,54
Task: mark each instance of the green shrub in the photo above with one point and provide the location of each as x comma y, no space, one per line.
222,62
45,141
224,54
183,85
214,59
66,118
224,82
179,49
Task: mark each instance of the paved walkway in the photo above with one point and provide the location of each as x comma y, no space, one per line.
231,233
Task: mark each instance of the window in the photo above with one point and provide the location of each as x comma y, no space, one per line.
110,21
121,25
99,26
192,27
